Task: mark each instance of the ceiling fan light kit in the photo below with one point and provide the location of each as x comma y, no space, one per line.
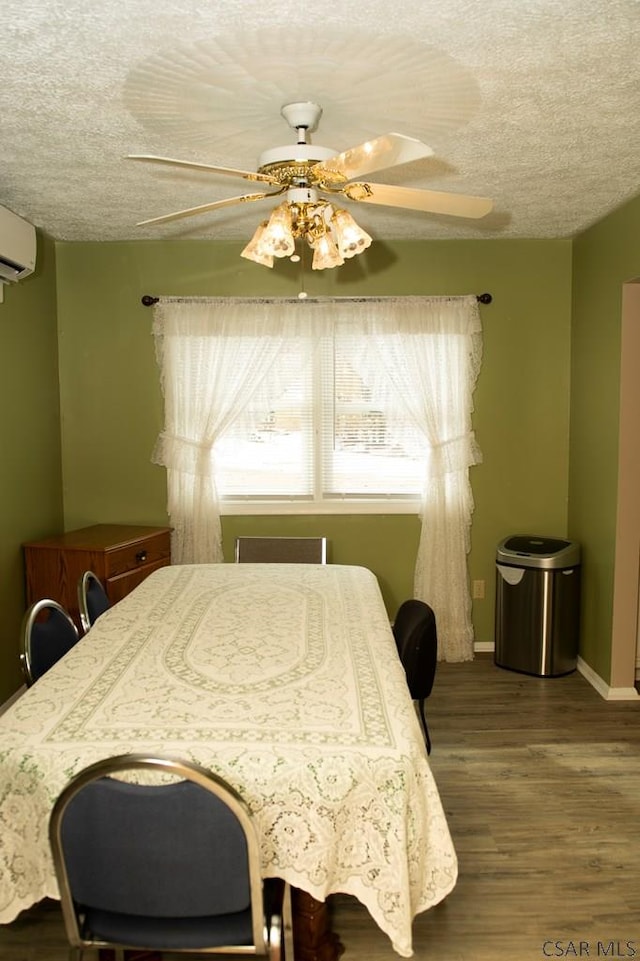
304,171
332,233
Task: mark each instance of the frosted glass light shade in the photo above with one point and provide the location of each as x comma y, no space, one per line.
277,239
350,238
325,253
255,250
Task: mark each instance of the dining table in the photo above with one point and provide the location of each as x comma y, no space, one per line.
283,679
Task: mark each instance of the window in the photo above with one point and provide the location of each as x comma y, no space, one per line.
325,405
322,428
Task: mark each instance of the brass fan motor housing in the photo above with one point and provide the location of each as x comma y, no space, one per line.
302,173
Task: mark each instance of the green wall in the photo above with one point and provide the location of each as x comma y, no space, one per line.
112,407
605,257
551,345
30,471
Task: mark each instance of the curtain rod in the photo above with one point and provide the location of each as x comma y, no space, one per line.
148,300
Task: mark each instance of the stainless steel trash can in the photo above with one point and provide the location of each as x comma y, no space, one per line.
537,605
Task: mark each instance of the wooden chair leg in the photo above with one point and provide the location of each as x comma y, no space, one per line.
424,724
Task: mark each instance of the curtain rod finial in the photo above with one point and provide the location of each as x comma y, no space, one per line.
149,301
484,298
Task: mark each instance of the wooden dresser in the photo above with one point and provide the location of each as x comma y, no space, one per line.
120,555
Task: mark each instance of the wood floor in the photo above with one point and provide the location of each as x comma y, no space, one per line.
540,780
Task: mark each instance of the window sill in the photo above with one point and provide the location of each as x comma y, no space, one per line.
229,508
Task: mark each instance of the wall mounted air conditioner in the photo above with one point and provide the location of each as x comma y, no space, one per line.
17,247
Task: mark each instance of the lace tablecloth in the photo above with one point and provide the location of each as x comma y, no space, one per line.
281,678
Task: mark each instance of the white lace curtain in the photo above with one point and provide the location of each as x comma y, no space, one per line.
214,357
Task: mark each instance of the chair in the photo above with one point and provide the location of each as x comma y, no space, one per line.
416,639
164,866
92,599
47,634
281,550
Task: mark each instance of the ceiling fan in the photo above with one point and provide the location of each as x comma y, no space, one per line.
304,172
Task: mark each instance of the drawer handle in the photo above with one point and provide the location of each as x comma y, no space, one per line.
141,556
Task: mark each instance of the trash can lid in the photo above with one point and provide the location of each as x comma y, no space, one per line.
529,550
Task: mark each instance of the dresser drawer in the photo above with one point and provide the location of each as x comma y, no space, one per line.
154,550
118,587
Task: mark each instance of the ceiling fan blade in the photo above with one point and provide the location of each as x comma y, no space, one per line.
192,165
387,151
431,201
203,208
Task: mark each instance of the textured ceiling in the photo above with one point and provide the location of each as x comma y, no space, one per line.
534,103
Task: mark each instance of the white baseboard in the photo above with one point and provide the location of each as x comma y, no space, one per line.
484,647
603,689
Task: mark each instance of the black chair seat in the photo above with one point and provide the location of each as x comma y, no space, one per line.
166,934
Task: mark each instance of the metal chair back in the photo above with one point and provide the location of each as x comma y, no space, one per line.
281,550
171,865
48,632
416,637
92,599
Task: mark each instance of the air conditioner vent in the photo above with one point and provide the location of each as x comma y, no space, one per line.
17,247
